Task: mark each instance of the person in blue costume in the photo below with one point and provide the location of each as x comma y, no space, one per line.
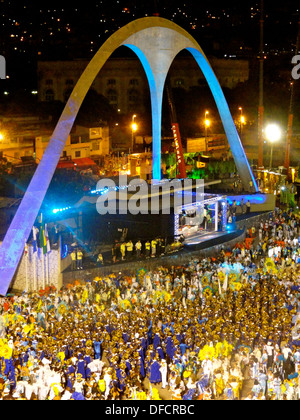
156,341
155,374
170,349
125,337
81,366
70,380
141,353
142,371
77,396
87,360
128,366
150,333
160,352
189,395
122,379
183,347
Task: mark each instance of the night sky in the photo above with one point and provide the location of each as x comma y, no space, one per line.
52,30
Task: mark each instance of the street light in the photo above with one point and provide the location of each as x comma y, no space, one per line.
207,125
273,134
242,120
1,137
134,128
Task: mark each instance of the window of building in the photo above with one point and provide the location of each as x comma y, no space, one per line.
111,82
49,82
133,96
49,95
95,146
69,82
75,139
134,82
78,154
112,96
179,82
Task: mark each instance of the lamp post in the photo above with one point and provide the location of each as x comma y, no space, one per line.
273,134
207,125
242,120
134,128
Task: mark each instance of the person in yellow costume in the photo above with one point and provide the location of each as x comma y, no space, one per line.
6,352
123,250
84,297
129,248
236,386
141,396
219,384
61,356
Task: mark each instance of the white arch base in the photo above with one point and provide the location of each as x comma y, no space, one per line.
156,42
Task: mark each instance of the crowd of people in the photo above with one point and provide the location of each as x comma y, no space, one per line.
225,327
123,251
127,250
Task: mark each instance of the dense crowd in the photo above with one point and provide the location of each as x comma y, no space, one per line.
200,331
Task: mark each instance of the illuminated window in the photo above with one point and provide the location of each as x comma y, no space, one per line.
179,82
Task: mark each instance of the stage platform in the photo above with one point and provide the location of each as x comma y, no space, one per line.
211,241
204,237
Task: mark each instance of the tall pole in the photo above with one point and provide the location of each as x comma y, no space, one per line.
271,156
206,124
26,267
133,129
291,113
261,90
35,282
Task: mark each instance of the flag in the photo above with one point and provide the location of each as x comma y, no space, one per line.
39,305
42,239
34,242
48,248
62,308
219,284
225,285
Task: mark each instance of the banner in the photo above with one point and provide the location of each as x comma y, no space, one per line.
179,151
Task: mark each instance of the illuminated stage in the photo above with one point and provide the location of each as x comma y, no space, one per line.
203,238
